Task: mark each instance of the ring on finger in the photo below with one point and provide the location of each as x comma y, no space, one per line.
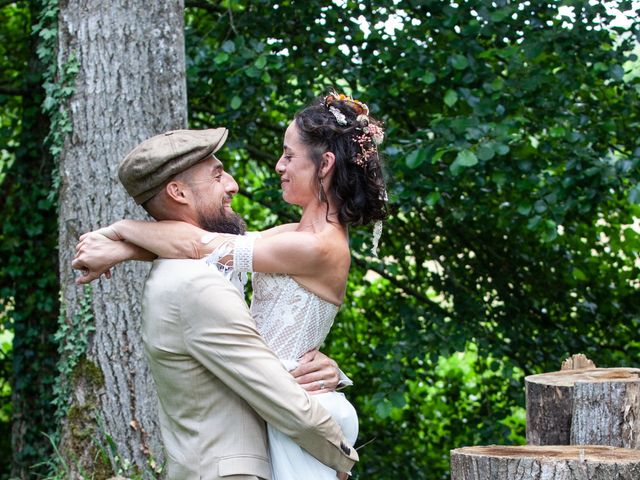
321,383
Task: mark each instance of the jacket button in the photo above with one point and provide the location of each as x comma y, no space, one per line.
345,448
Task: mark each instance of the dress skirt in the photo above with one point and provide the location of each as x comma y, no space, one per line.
290,462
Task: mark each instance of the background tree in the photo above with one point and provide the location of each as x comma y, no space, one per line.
124,61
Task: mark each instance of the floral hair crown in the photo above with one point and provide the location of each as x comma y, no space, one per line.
369,136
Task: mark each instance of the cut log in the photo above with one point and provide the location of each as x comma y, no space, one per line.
588,462
550,407
606,413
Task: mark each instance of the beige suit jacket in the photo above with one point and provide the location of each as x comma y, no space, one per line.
217,380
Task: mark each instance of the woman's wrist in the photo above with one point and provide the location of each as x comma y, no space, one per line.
121,229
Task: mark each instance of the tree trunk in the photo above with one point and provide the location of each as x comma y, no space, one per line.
554,417
130,86
545,463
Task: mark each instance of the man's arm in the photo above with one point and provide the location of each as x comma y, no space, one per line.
221,335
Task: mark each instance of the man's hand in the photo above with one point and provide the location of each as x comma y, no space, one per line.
317,373
97,252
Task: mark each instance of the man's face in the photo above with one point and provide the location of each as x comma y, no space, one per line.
213,189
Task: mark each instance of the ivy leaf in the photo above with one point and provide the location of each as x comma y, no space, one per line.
450,98
578,274
634,195
433,198
383,409
221,58
502,149
228,46
416,158
261,62
616,72
550,231
236,102
428,78
459,62
464,159
500,15
485,152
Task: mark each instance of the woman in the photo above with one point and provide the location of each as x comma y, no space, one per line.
331,168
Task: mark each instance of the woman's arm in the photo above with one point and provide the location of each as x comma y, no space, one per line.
286,227
293,253
167,239
281,251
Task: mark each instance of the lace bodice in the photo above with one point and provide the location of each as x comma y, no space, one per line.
290,318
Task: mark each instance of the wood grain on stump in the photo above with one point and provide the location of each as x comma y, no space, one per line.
530,462
586,406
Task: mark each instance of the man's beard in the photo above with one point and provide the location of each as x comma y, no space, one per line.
222,222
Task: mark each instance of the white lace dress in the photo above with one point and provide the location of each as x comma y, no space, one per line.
292,320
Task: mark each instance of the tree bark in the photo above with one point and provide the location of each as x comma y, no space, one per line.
573,406
607,412
130,86
589,462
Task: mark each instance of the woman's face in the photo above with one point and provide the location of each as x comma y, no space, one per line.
297,171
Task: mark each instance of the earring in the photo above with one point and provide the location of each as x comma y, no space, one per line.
321,196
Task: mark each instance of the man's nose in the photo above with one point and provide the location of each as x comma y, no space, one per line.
230,184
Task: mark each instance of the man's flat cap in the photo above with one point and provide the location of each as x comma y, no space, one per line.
148,166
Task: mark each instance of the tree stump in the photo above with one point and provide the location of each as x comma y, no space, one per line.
600,405
589,462
607,412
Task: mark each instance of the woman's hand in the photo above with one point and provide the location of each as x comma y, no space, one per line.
317,373
98,251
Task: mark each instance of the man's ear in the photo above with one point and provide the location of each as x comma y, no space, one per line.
175,191
327,164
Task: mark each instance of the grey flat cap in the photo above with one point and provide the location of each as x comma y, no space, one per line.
149,165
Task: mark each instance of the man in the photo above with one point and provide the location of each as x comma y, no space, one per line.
215,376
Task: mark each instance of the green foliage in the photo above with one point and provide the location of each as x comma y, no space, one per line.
28,231
106,452
72,338
6,337
513,159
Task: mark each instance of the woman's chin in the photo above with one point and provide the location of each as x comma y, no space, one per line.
289,200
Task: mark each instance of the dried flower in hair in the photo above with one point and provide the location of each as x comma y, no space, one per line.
363,120
358,107
340,117
377,134
367,149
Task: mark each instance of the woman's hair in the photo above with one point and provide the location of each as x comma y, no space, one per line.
343,126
